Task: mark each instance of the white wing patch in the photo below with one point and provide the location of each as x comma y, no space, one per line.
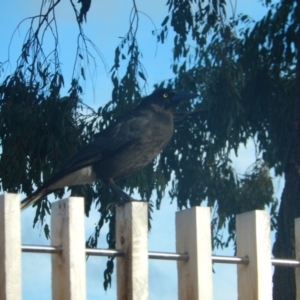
82,176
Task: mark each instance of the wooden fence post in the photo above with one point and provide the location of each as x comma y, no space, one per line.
193,235
67,231
132,237
253,240
10,247
297,250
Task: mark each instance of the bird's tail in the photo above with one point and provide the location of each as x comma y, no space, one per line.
34,197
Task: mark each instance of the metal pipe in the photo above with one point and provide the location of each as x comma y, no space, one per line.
40,249
104,252
88,251
230,259
168,256
285,262
160,255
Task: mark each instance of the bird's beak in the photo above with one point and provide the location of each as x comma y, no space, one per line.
178,97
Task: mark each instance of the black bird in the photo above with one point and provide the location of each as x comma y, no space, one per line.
122,148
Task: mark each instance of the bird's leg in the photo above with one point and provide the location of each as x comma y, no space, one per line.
124,197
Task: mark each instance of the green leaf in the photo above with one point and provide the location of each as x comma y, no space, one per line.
47,231
165,21
82,73
142,76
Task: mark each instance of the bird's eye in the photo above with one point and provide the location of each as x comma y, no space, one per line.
165,95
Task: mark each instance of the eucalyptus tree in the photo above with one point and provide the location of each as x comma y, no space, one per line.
247,74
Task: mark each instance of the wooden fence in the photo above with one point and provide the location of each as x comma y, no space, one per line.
193,252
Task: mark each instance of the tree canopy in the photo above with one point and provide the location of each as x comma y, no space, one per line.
247,74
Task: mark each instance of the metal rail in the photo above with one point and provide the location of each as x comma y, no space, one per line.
160,255
40,249
168,256
230,260
285,262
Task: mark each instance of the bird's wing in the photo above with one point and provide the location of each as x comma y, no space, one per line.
122,135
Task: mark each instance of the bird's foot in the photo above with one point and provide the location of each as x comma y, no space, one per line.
123,201
136,200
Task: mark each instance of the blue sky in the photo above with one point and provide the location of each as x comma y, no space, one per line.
107,22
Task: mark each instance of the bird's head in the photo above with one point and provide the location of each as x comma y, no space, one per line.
166,99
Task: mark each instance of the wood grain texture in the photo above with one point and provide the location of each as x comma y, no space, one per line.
253,240
132,236
10,247
193,235
69,267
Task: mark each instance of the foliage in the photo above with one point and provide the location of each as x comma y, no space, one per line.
244,71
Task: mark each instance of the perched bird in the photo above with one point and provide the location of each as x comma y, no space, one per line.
122,148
